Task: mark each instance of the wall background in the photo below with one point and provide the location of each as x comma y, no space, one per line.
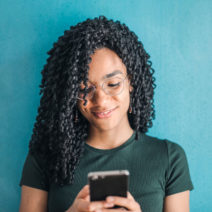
177,35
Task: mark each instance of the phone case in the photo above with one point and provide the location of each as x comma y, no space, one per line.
108,183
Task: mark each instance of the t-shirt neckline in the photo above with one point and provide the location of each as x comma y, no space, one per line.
126,143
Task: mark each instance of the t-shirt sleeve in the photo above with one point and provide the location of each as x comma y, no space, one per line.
177,176
33,174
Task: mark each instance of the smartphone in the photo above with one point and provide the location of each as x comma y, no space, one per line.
108,183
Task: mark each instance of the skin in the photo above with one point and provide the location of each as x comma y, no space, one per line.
113,131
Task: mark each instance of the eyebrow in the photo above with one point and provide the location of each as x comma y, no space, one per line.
112,74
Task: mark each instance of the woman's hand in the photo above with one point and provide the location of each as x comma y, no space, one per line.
128,203
82,202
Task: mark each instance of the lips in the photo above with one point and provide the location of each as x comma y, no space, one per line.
104,114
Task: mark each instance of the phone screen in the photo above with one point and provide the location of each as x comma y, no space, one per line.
108,183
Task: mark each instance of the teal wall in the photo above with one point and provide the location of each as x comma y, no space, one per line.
177,35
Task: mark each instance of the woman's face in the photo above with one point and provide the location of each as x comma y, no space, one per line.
102,110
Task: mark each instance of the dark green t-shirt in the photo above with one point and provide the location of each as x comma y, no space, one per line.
158,168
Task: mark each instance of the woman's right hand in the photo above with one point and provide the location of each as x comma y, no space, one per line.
82,202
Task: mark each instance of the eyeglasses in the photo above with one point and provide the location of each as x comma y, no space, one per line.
112,87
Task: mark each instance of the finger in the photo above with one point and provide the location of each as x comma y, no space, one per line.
87,198
129,195
128,203
112,210
85,206
97,205
82,205
83,192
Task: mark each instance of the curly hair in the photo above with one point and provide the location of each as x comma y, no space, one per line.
57,137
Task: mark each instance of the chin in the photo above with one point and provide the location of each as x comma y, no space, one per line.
105,126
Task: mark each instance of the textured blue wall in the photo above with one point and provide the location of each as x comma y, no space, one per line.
177,35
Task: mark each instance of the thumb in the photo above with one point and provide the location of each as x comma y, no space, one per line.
87,198
129,195
83,192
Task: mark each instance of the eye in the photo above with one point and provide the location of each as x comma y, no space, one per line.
113,84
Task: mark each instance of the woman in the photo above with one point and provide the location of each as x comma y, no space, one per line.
96,107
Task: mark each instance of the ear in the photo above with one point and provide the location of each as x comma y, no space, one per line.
129,80
131,88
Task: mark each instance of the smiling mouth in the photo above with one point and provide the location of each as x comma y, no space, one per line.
105,114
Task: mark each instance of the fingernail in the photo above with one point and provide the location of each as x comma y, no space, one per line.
98,210
108,204
110,199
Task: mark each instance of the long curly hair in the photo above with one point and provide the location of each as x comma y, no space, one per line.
57,137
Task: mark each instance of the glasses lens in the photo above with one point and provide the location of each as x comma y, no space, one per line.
113,86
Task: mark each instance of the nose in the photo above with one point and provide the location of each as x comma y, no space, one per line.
100,97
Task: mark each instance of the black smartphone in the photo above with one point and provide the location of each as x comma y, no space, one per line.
108,183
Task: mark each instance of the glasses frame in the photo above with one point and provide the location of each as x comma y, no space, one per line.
101,85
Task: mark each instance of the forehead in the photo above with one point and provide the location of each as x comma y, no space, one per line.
104,62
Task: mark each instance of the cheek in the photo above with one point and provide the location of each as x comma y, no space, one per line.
124,100
84,109
127,99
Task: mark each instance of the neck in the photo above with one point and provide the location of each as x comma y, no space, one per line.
109,139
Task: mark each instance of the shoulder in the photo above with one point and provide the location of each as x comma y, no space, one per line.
35,159
156,142
171,157
161,147
34,173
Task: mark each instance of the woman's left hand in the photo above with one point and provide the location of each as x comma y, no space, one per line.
126,203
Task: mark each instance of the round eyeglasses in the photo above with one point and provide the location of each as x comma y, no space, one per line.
112,86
